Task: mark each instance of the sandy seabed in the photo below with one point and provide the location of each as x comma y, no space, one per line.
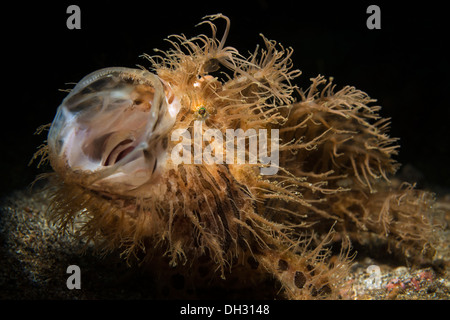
35,256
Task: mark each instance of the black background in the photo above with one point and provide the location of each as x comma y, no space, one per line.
405,65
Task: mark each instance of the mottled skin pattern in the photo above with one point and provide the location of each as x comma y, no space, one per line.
226,220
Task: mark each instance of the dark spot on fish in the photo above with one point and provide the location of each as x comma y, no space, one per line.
325,290
310,268
299,279
282,265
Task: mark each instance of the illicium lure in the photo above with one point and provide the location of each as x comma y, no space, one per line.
114,154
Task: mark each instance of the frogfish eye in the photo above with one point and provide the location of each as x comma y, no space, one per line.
111,128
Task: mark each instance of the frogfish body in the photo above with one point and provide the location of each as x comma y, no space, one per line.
243,170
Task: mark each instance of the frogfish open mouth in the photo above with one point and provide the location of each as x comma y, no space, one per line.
171,164
111,131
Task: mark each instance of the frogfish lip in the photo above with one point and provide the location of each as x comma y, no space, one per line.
110,129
